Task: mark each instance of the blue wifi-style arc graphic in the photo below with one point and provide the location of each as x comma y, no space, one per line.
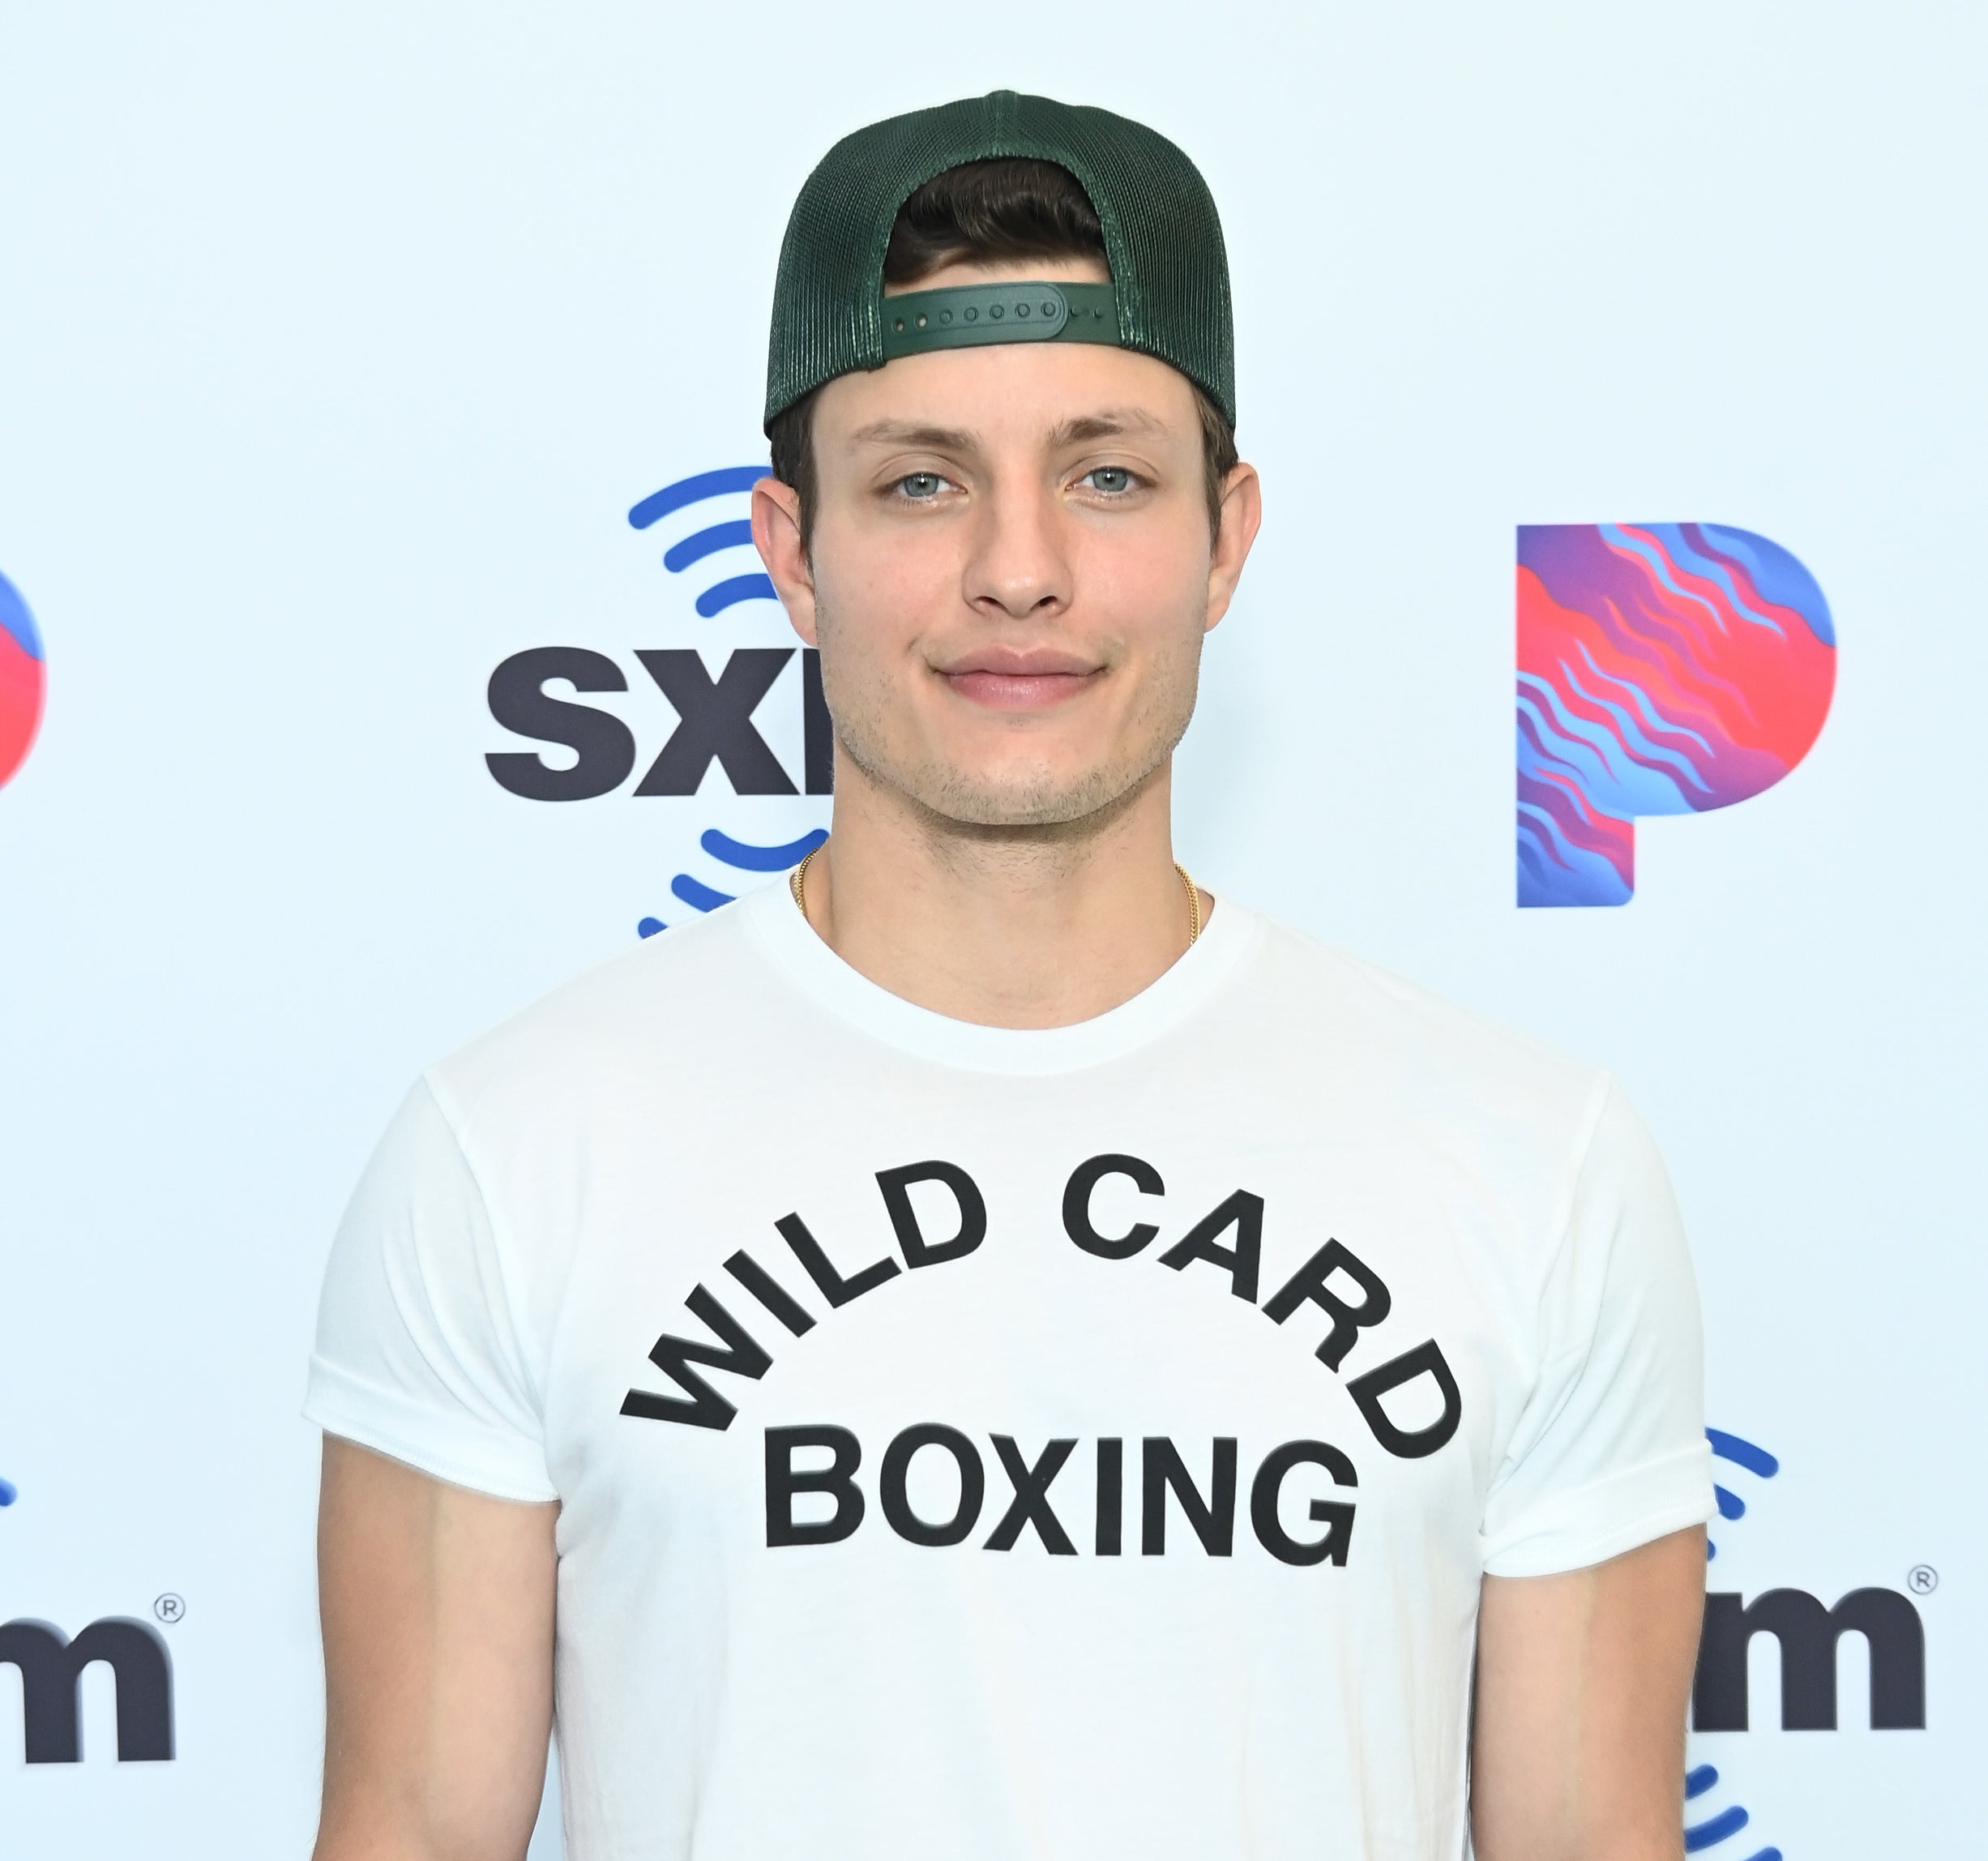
1723,1827
696,547
1740,1453
746,858
700,545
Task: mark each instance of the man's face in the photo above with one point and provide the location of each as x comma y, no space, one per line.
1010,569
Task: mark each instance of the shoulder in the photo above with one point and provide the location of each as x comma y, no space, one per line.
1431,1057
610,1033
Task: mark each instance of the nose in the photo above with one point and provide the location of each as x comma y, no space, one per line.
1019,569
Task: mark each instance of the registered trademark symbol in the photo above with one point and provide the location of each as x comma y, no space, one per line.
169,1608
1923,1579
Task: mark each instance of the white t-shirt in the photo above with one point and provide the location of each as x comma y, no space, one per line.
1063,1444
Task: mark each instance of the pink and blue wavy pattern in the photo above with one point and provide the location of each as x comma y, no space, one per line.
1663,669
21,679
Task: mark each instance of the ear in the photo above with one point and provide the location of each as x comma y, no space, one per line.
776,534
1242,516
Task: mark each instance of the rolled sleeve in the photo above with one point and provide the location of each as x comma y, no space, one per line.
417,1351
1610,1451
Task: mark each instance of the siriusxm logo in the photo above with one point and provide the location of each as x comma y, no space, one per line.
725,711
1807,1634
51,1665
1663,669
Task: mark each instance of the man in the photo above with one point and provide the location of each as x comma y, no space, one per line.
983,1350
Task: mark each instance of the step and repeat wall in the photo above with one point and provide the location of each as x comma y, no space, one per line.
380,642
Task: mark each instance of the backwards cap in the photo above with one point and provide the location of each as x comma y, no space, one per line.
1168,293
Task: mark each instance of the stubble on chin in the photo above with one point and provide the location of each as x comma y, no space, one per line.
1061,803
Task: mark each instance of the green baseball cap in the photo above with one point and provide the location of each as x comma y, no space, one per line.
1168,293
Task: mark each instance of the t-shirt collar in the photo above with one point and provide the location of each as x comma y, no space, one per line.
786,938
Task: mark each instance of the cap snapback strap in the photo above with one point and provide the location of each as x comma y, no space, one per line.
965,316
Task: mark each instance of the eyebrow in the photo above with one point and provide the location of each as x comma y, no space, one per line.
906,433
1110,424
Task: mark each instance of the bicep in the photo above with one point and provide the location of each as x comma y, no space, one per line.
1577,1745
436,1605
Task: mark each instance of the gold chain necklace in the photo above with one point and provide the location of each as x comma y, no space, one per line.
796,883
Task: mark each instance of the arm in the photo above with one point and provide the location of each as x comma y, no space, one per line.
1577,1750
438,1612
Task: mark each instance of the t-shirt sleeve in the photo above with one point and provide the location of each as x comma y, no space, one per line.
418,1355
1610,1451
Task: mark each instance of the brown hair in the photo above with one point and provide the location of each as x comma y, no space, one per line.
995,212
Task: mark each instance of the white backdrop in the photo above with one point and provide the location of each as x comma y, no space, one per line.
336,344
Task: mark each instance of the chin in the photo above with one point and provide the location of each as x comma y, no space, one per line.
1031,797
1002,784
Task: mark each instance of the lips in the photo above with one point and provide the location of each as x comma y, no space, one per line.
1005,680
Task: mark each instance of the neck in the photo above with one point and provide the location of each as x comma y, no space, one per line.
1032,927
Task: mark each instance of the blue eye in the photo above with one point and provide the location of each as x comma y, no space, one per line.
1112,479
922,484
